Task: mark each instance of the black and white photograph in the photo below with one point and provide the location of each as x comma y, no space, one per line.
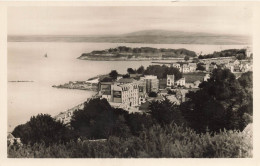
130,81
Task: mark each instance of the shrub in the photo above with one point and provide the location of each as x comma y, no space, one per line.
152,94
43,128
171,141
166,112
99,120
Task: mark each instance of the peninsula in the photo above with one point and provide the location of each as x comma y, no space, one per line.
143,53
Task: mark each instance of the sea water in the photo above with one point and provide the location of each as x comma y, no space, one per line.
27,62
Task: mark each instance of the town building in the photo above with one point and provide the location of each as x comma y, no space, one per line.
194,84
142,91
181,94
180,82
193,67
249,51
12,140
185,68
170,80
206,77
176,65
212,67
65,117
127,94
236,68
151,83
105,90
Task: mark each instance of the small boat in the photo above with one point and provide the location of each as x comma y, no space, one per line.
46,56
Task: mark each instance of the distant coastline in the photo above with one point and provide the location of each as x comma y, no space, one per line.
145,37
20,81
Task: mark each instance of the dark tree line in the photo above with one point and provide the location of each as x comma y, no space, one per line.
238,53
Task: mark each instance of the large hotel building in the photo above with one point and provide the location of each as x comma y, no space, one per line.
128,92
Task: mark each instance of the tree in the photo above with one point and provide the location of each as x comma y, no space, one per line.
200,67
172,71
126,76
241,56
139,122
195,60
186,58
106,79
217,104
162,71
165,112
113,74
152,94
246,82
171,92
140,70
131,71
43,128
98,120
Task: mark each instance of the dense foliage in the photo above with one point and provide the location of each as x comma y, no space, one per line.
208,124
238,53
165,112
200,67
220,103
162,71
171,141
124,49
98,120
113,74
186,58
152,94
43,128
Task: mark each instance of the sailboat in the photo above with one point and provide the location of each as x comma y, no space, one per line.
46,56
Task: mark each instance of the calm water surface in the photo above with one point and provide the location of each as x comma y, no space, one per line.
26,62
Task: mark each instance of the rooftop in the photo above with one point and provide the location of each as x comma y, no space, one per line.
192,77
10,136
150,77
125,80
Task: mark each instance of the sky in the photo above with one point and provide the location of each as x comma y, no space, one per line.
125,19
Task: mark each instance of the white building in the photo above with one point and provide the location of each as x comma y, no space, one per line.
185,68
249,51
206,77
170,80
126,94
193,67
176,65
180,82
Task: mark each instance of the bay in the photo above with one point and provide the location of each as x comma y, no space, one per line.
26,62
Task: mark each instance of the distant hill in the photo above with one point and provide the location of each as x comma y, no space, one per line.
146,36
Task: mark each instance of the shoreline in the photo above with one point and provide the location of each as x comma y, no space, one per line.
128,59
20,81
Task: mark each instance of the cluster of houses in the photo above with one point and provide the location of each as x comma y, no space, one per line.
133,93
11,140
185,67
234,66
209,65
128,93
